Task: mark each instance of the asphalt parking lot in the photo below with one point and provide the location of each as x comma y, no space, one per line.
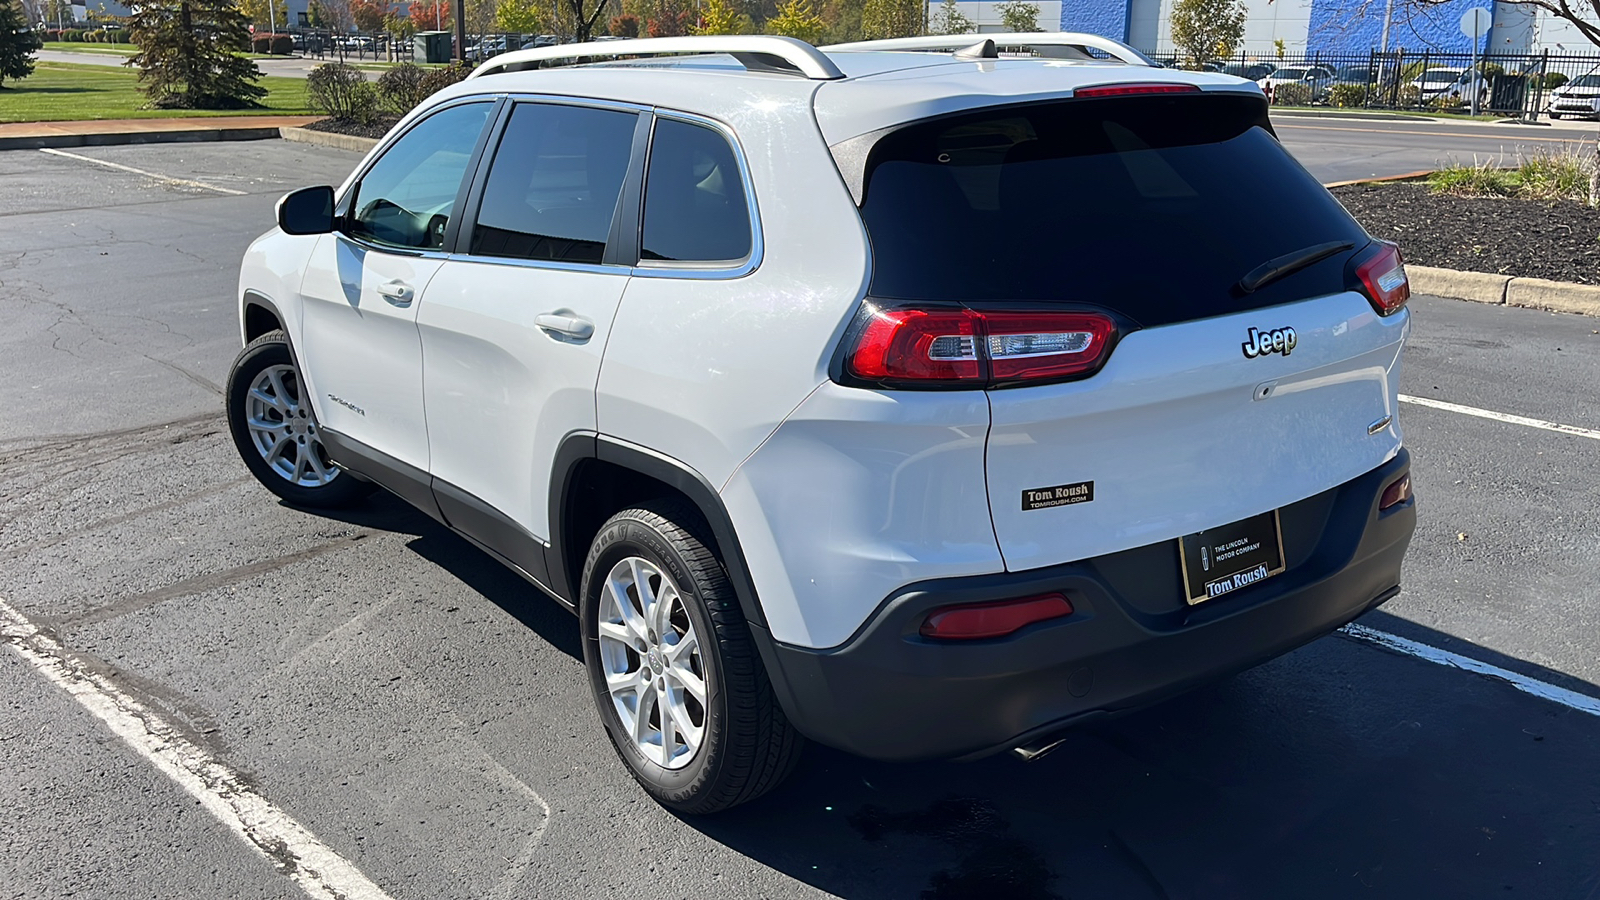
422,713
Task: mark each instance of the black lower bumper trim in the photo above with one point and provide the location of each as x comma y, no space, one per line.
891,694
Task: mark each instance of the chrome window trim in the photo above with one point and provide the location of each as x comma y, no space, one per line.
707,269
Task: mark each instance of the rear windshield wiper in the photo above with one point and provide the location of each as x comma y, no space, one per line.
1288,264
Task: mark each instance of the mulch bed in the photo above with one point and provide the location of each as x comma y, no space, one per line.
1501,235
376,129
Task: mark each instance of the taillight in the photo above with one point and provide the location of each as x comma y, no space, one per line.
1382,274
956,347
975,621
1396,493
1127,90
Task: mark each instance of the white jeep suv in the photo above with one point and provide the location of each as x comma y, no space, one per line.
903,396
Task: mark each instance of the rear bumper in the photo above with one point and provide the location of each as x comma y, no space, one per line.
890,694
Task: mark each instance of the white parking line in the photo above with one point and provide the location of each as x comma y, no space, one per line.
1570,699
1502,417
319,870
167,178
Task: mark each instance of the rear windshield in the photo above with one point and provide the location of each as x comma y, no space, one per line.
1153,207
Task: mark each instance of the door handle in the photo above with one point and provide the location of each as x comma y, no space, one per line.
397,292
566,323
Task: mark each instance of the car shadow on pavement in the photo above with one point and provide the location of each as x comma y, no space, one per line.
480,572
1339,770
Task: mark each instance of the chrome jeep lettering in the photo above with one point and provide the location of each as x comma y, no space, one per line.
1260,343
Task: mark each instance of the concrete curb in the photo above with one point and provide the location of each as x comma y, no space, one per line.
114,138
328,139
1505,290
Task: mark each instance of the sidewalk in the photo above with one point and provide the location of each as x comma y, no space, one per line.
101,132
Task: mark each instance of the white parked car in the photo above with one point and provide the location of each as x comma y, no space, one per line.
1579,98
865,394
1445,81
1317,79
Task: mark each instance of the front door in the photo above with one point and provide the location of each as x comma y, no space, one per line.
514,325
360,350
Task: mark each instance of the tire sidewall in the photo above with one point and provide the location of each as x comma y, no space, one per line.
263,353
615,542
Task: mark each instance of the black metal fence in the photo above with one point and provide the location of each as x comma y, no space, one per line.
321,43
1507,85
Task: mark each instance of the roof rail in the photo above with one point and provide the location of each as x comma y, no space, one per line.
1037,39
756,52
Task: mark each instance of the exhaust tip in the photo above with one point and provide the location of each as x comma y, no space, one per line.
1031,752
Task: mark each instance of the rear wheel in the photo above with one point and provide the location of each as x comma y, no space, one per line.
677,679
276,431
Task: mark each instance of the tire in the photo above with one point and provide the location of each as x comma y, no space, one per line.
1555,115
270,419
743,745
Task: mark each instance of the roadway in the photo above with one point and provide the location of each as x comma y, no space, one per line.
423,714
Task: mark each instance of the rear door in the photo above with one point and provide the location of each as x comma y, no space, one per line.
1217,403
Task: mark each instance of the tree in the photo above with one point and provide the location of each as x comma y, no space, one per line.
668,18
798,19
950,20
891,18
522,17
18,43
580,16
1019,16
189,55
259,11
400,26
1583,15
368,15
625,25
844,21
1207,29
435,15
723,17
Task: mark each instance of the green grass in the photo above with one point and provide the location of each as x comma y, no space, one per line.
1560,176
59,92
83,47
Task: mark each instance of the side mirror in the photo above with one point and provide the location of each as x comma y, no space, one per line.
307,211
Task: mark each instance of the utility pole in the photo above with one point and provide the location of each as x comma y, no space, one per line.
461,30
1388,16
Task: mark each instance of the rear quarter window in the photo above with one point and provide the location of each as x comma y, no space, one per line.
1152,207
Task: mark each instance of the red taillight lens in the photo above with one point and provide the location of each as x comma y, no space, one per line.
1396,494
1128,90
918,344
940,347
1383,277
990,620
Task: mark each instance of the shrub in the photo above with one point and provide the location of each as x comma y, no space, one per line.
1553,80
1348,95
403,87
260,44
625,26
1562,175
1479,180
282,45
342,92
1292,94
1448,103
438,79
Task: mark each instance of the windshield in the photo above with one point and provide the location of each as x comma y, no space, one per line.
1289,73
1441,77
1113,202
1585,81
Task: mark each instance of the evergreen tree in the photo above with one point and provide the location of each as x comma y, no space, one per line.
950,20
891,18
18,43
188,55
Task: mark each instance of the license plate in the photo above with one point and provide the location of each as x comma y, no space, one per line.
1220,560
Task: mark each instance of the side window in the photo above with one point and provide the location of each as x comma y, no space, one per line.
554,183
694,203
404,200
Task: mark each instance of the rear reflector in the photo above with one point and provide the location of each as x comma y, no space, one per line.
1128,90
990,620
1396,493
964,348
1383,277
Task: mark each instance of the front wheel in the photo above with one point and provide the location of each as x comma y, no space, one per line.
276,431
675,674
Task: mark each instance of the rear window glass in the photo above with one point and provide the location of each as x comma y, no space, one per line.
1153,207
